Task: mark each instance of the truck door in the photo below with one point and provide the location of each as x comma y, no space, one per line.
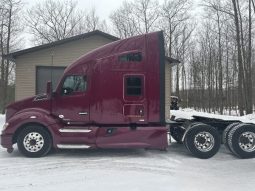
71,101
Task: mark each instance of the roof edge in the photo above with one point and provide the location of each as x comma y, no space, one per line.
14,55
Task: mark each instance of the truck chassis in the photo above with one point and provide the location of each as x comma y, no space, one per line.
202,136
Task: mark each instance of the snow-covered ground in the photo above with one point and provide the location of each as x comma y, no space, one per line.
2,119
188,113
125,170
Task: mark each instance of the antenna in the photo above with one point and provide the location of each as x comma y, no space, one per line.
51,66
51,78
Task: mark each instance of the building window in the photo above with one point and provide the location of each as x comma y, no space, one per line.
133,86
131,57
73,84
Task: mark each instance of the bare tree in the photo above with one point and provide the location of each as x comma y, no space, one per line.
53,20
173,14
147,13
135,17
225,49
9,30
174,20
249,108
124,21
92,22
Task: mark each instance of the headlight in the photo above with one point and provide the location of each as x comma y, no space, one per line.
5,126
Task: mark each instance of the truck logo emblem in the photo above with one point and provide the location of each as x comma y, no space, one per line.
61,116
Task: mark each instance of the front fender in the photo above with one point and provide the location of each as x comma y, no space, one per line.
30,116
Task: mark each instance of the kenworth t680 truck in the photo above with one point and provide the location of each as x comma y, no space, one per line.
117,96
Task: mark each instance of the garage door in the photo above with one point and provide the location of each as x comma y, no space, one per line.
45,74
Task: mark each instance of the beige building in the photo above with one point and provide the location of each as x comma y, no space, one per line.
35,66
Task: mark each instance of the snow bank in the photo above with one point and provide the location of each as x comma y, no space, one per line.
189,113
127,169
2,120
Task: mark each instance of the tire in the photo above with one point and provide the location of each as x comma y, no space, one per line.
189,125
202,140
34,141
241,140
226,133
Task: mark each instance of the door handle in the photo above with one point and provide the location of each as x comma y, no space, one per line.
83,113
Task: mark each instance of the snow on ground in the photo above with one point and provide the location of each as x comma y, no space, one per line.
188,113
2,119
125,170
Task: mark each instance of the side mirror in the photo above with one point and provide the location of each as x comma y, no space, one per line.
49,89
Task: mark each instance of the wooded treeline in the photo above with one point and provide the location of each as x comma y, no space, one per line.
10,29
213,39
221,64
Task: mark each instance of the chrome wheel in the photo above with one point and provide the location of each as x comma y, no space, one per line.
33,142
247,141
204,141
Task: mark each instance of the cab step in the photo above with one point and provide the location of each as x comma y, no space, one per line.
69,130
72,146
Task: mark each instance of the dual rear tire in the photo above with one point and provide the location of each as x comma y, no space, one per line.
239,138
202,140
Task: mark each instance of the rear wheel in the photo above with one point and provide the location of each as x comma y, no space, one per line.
202,140
226,133
34,141
188,127
241,140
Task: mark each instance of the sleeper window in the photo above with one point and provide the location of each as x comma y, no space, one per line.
133,86
131,57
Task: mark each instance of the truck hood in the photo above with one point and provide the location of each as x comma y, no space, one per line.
38,101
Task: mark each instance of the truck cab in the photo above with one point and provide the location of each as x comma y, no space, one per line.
112,97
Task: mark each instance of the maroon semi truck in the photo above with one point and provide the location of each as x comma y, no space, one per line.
115,97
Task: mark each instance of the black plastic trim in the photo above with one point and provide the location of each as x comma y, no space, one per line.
162,77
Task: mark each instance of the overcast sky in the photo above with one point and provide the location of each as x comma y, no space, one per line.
103,9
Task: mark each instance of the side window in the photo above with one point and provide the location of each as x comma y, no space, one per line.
131,57
133,86
74,84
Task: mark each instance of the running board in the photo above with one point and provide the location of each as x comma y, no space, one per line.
69,146
65,130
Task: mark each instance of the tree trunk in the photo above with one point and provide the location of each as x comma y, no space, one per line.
240,61
249,66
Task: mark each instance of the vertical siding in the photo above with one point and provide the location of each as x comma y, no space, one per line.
167,90
63,55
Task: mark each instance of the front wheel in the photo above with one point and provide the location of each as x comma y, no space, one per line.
34,141
202,140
